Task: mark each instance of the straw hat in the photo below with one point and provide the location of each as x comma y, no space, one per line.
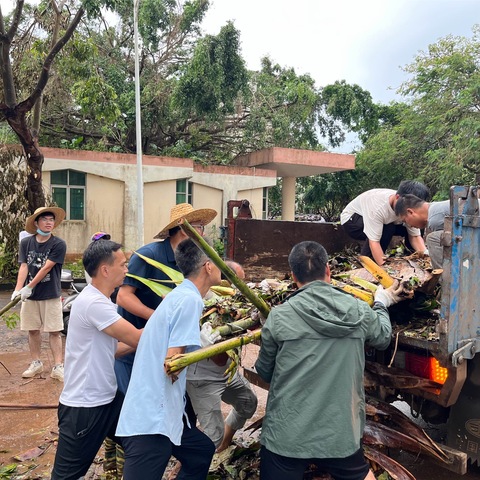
58,213
203,216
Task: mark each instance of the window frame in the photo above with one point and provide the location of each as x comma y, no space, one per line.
187,193
70,189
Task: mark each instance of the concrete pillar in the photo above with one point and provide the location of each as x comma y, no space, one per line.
288,198
132,239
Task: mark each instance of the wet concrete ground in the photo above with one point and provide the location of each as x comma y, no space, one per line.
33,422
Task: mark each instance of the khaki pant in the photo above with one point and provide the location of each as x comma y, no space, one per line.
43,315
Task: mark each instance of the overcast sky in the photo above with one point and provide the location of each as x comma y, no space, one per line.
366,42
362,41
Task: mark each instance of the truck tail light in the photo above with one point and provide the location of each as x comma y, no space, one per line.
425,367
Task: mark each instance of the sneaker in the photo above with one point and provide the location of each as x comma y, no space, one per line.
57,372
35,368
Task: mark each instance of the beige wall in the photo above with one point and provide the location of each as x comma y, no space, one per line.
112,198
104,211
158,198
207,197
255,197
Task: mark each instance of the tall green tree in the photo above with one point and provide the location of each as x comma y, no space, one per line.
81,96
436,137
328,194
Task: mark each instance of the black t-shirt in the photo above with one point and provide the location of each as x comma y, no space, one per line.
35,254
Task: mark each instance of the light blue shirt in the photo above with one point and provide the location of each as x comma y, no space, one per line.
153,404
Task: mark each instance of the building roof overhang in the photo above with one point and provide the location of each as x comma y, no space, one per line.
289,162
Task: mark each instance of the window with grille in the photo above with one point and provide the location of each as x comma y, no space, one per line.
68,191
184,192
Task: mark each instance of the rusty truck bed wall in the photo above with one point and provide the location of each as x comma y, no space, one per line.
262,246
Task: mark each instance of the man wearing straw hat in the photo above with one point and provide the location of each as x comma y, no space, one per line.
41,257
135,300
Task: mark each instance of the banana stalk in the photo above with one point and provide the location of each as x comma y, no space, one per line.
378,272
223,291
180,361
235,327
10,305
356,292
364,284
262,306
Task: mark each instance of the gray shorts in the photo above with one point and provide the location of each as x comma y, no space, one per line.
43,315
207,396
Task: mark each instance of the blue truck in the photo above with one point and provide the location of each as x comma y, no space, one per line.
437,375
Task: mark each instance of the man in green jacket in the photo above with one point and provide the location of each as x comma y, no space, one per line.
312,355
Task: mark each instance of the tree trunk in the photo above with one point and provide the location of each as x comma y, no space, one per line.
35,195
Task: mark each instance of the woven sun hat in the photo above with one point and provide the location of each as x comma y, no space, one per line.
57,212
202,216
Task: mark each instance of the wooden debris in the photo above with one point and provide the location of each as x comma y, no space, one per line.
33,452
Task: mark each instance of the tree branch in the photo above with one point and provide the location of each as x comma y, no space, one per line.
27,104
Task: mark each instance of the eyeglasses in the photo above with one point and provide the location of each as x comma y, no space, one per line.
200,228
47,219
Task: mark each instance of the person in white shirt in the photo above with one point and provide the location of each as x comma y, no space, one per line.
90,403
371,217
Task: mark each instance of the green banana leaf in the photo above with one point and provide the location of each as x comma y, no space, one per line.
174,275
158,288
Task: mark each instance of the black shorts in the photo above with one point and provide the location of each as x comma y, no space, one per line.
81,433
274,466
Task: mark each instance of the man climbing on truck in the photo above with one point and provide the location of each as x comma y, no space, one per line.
371,218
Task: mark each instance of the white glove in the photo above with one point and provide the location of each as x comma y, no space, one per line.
208,336
26,292
389,296
15,294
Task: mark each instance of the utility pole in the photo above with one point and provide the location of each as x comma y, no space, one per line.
138,123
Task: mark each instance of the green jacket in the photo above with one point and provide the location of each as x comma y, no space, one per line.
312,354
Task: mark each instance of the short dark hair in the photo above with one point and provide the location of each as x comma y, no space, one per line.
412,187
407,201
189,257
45,214
308,261
97,253
173,231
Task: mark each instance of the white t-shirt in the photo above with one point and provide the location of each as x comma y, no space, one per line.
90,353
374,206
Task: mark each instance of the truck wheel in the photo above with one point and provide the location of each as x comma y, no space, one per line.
66,319
463,426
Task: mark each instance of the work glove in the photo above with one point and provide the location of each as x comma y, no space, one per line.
26,292
208,336
389,296
15,294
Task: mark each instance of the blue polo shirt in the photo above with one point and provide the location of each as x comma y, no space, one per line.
161,252
153,404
